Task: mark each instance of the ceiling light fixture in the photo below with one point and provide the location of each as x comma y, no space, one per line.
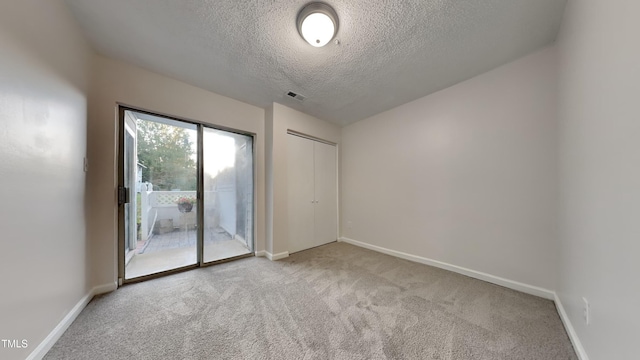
317,23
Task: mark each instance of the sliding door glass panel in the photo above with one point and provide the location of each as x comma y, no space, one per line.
228,194
130,183
164,195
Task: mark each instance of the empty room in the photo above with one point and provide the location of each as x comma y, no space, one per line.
292,179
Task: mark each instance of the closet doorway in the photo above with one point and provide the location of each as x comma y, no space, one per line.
312,187
185,195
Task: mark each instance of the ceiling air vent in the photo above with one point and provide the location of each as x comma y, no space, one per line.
298,97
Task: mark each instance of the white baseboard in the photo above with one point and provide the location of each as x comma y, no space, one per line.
511,284
515,285
573,336
278,256
41,350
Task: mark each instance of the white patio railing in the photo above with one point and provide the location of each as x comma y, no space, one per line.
160,205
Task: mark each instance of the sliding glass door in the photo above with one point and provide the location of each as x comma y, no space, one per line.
171,171
228,194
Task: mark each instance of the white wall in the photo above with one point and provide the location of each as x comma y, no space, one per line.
599,127
465,176
44,78
280,119
268,154
117,82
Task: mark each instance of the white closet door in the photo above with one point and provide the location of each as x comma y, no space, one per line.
326,194
300,190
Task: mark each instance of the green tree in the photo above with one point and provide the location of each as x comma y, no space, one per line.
166,152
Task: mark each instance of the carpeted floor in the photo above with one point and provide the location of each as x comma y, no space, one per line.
337,301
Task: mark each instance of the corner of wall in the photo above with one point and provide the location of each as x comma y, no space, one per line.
268,127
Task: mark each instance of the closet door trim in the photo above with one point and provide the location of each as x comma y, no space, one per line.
296,209
302,135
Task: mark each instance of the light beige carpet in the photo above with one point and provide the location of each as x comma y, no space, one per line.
337,301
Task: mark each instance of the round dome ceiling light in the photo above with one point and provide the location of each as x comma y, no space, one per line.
317,23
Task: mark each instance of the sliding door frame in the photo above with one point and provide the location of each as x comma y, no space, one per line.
199,194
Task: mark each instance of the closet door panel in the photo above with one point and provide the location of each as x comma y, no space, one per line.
326,194
300,184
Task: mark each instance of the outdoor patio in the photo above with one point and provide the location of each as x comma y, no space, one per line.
178,248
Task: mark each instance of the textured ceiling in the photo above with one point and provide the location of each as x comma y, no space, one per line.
389,52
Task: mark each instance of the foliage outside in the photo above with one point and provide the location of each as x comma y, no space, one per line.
167,155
